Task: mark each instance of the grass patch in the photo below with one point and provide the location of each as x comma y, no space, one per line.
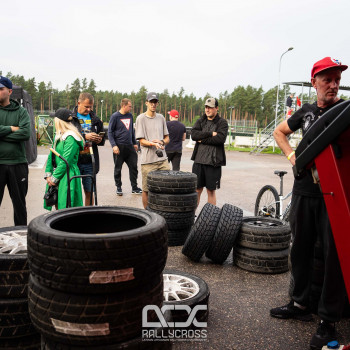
267,150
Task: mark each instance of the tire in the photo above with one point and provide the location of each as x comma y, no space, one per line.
14,319
133,344
263,233
178,237
269,262
267,202
14,269
202,232
172,182
131,251
172,202
29,342
286,213
176,221
69,319
182,288
226,233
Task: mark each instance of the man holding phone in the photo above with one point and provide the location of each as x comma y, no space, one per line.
91,128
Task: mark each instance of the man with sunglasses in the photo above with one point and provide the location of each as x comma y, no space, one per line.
152,132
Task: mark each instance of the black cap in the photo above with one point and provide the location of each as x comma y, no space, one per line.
64,114
152,96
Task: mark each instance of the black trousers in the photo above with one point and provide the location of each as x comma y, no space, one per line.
129,156
175,158
309,220
15,177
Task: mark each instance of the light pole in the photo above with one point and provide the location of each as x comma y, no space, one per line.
278,87
229,132
101,110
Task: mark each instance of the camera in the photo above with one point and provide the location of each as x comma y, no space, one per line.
159,153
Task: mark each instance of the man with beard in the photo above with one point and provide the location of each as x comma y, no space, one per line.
309,218
90,126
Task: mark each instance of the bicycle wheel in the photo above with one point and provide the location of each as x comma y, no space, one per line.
267,202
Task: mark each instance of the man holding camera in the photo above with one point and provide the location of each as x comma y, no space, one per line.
152,132
91,128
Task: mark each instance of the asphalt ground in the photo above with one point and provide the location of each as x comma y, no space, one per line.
240,300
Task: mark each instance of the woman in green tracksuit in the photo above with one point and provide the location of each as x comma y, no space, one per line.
68,142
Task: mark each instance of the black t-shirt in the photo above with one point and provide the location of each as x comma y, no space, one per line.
303,119
176,133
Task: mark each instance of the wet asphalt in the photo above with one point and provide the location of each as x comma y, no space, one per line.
239,300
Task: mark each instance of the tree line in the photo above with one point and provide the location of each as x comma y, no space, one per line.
249,103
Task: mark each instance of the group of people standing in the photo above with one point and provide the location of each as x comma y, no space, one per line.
81,129
80,132
161,143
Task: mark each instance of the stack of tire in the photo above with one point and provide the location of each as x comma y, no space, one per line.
262,245
92,270
172,194
16,329
214,233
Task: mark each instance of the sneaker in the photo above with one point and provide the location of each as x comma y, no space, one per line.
291,311
325,333
119,191
137,191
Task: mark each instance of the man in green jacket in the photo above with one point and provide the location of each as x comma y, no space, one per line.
14,130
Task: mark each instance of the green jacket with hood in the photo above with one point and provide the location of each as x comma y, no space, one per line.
12,148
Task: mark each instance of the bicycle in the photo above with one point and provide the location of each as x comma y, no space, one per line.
270,204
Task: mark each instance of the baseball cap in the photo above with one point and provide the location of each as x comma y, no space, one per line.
211,102
5,82
174,113
326,63
152,96
64,114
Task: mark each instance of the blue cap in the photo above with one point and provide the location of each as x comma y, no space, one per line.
333,345
5,82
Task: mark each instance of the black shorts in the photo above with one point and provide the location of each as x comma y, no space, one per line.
207,176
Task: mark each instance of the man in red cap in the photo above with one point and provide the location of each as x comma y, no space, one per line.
177,134
309,219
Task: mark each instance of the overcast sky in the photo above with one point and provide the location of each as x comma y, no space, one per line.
204,46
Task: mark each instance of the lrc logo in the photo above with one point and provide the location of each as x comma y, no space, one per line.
163,323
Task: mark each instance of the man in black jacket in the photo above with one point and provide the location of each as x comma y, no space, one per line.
90,126
210,133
